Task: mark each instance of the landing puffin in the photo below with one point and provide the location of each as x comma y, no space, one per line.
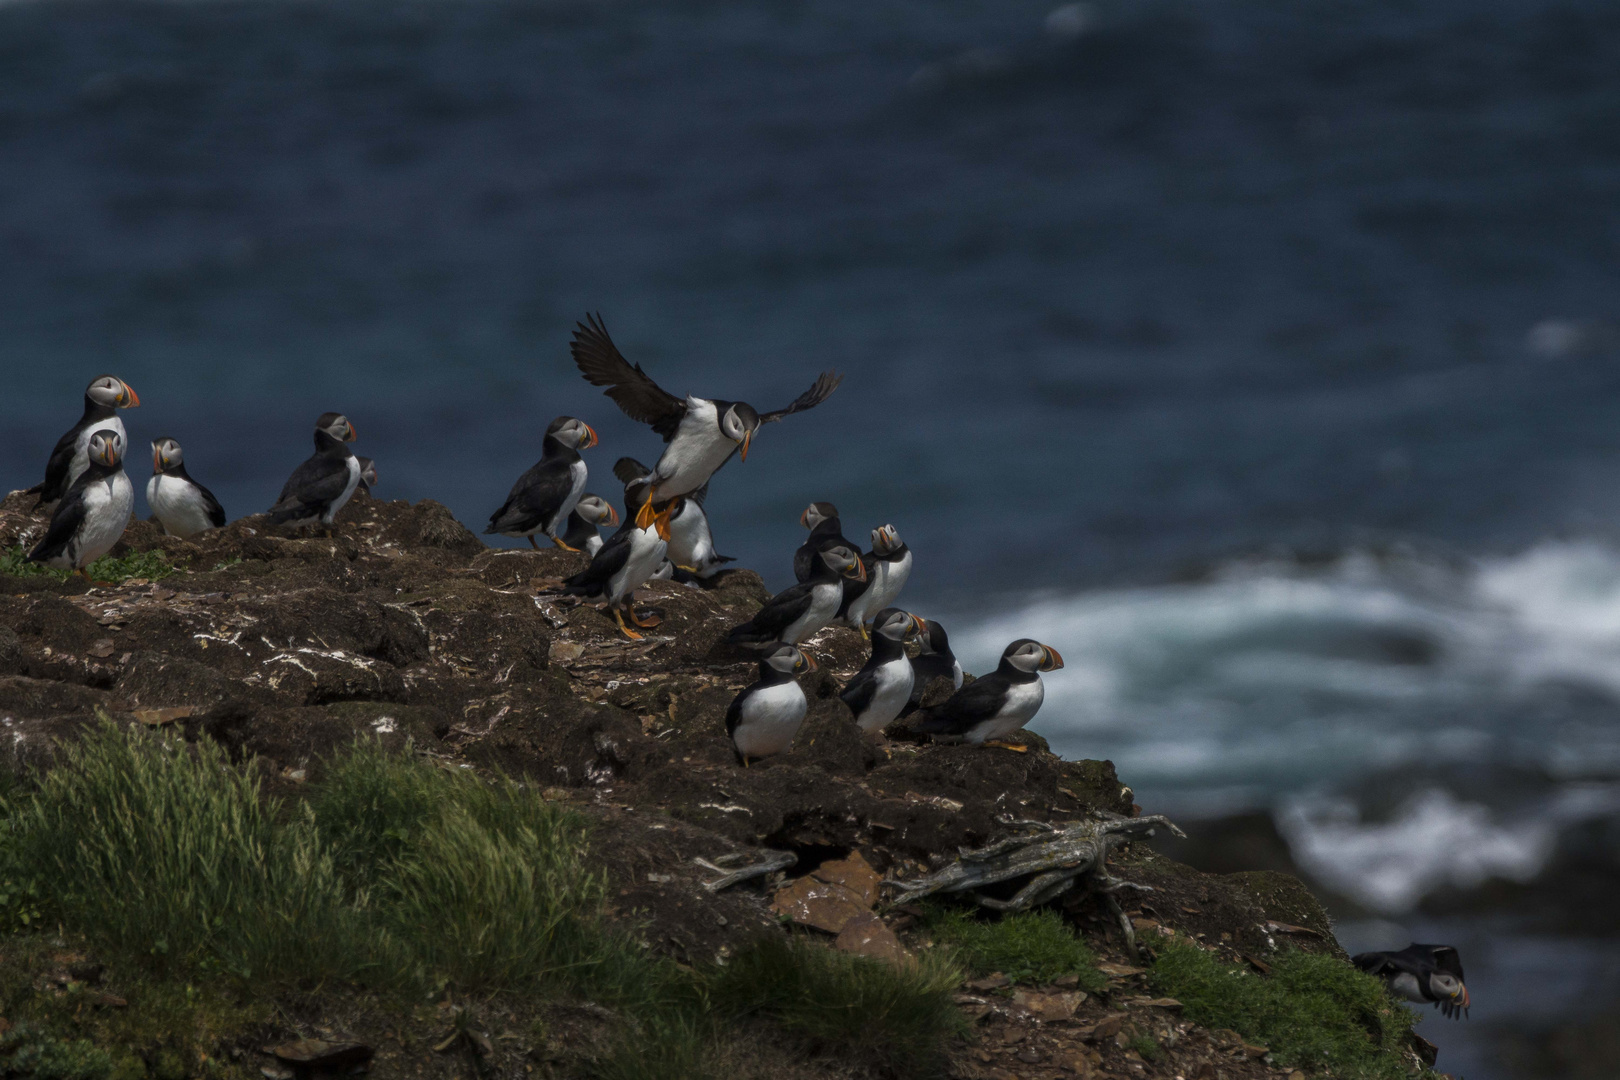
94,512
878,692
368,474
888,565
543,497
988,709
182,506
318,488
934,660
800,610
821,518
701,433
691,544
625,562
765,716
1426,974
590,512
105,395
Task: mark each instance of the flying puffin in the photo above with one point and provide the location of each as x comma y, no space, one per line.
543,497
588,513
934,660
988,709
626,561
691,545
881,689
800,610
701,433
888,565
91,517
821,518
182,506
765,716
1430,974
318,488
368,474
102,398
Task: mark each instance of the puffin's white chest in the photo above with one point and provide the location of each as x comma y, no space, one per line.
1406,985
770,718
646,553
1022,702
107,507
894,681
178,505
81,445
690,544
824,600
577,474
698,449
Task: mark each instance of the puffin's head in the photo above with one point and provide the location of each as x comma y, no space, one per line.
106,448
165,454
846,562
572,432
886,540
1026,654
1449,992
787,659
368,472
738,423
336,425
596,510
816,513
897,625
112,392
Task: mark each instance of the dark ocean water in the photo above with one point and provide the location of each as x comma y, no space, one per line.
1260,355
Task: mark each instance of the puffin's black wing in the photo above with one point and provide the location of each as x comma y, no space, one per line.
316,482
602,364
535,497
593,580
777,615
734,712
861,688
1374,963
819,392
56,469
700,496
854,588
629,470
216,512
978,700
1447,960
1421,959
804,560
65,522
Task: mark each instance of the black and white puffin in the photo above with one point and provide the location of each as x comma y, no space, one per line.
368,474
318,488
626,561
934,660
543,497
763,719
1427,974
94,512
105,395
800,610
879,691
590,512
821,518
888,565
182,506
701,433
988,709
691,551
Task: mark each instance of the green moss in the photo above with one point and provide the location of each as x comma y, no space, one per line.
1029,947
1146,1047
1314,1012
151,565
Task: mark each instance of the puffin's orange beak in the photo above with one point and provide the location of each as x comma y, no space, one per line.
157,460
1053,660
809,661
131,398
1465,996
804,518
919,625
613,516
590,438
860,570
352,435
747,438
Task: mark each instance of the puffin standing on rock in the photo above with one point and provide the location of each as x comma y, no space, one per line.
105,395
878,692
987,710
800,610
763,719
821,518
934,660
691,543
182,506
543,497
701,433
318,488
1430,974
590,512
627,561
888,565
93,514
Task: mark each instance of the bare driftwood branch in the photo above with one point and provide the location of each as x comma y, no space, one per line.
773,861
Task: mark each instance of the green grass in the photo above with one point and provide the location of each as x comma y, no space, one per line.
151,565
1314,1012
1146,1047
1030,947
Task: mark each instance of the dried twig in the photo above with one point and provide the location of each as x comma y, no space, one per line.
773,861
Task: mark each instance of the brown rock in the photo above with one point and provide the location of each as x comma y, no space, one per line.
1050,1008
812,902
1106,1028
854,874
1162,1003
1120,971
994,981
1255,1051
867,935
321,1054
159,717
1029,1055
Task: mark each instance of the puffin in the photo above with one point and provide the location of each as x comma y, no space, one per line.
105,395
800,610
590,512
543,497
318,488
94,512
821,518
934,660
625,562
990,708
1429,974
701,433
691,544
765,716
182,506
882,687
368,474
888,565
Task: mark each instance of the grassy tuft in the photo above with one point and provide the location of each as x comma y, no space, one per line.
151,565
895,1016
1314,1012
1029,947
1146,1047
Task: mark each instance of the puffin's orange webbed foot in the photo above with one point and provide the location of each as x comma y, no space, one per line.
1007,746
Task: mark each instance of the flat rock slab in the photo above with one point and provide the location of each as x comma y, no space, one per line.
313,1054
813,902
854,874
868,935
